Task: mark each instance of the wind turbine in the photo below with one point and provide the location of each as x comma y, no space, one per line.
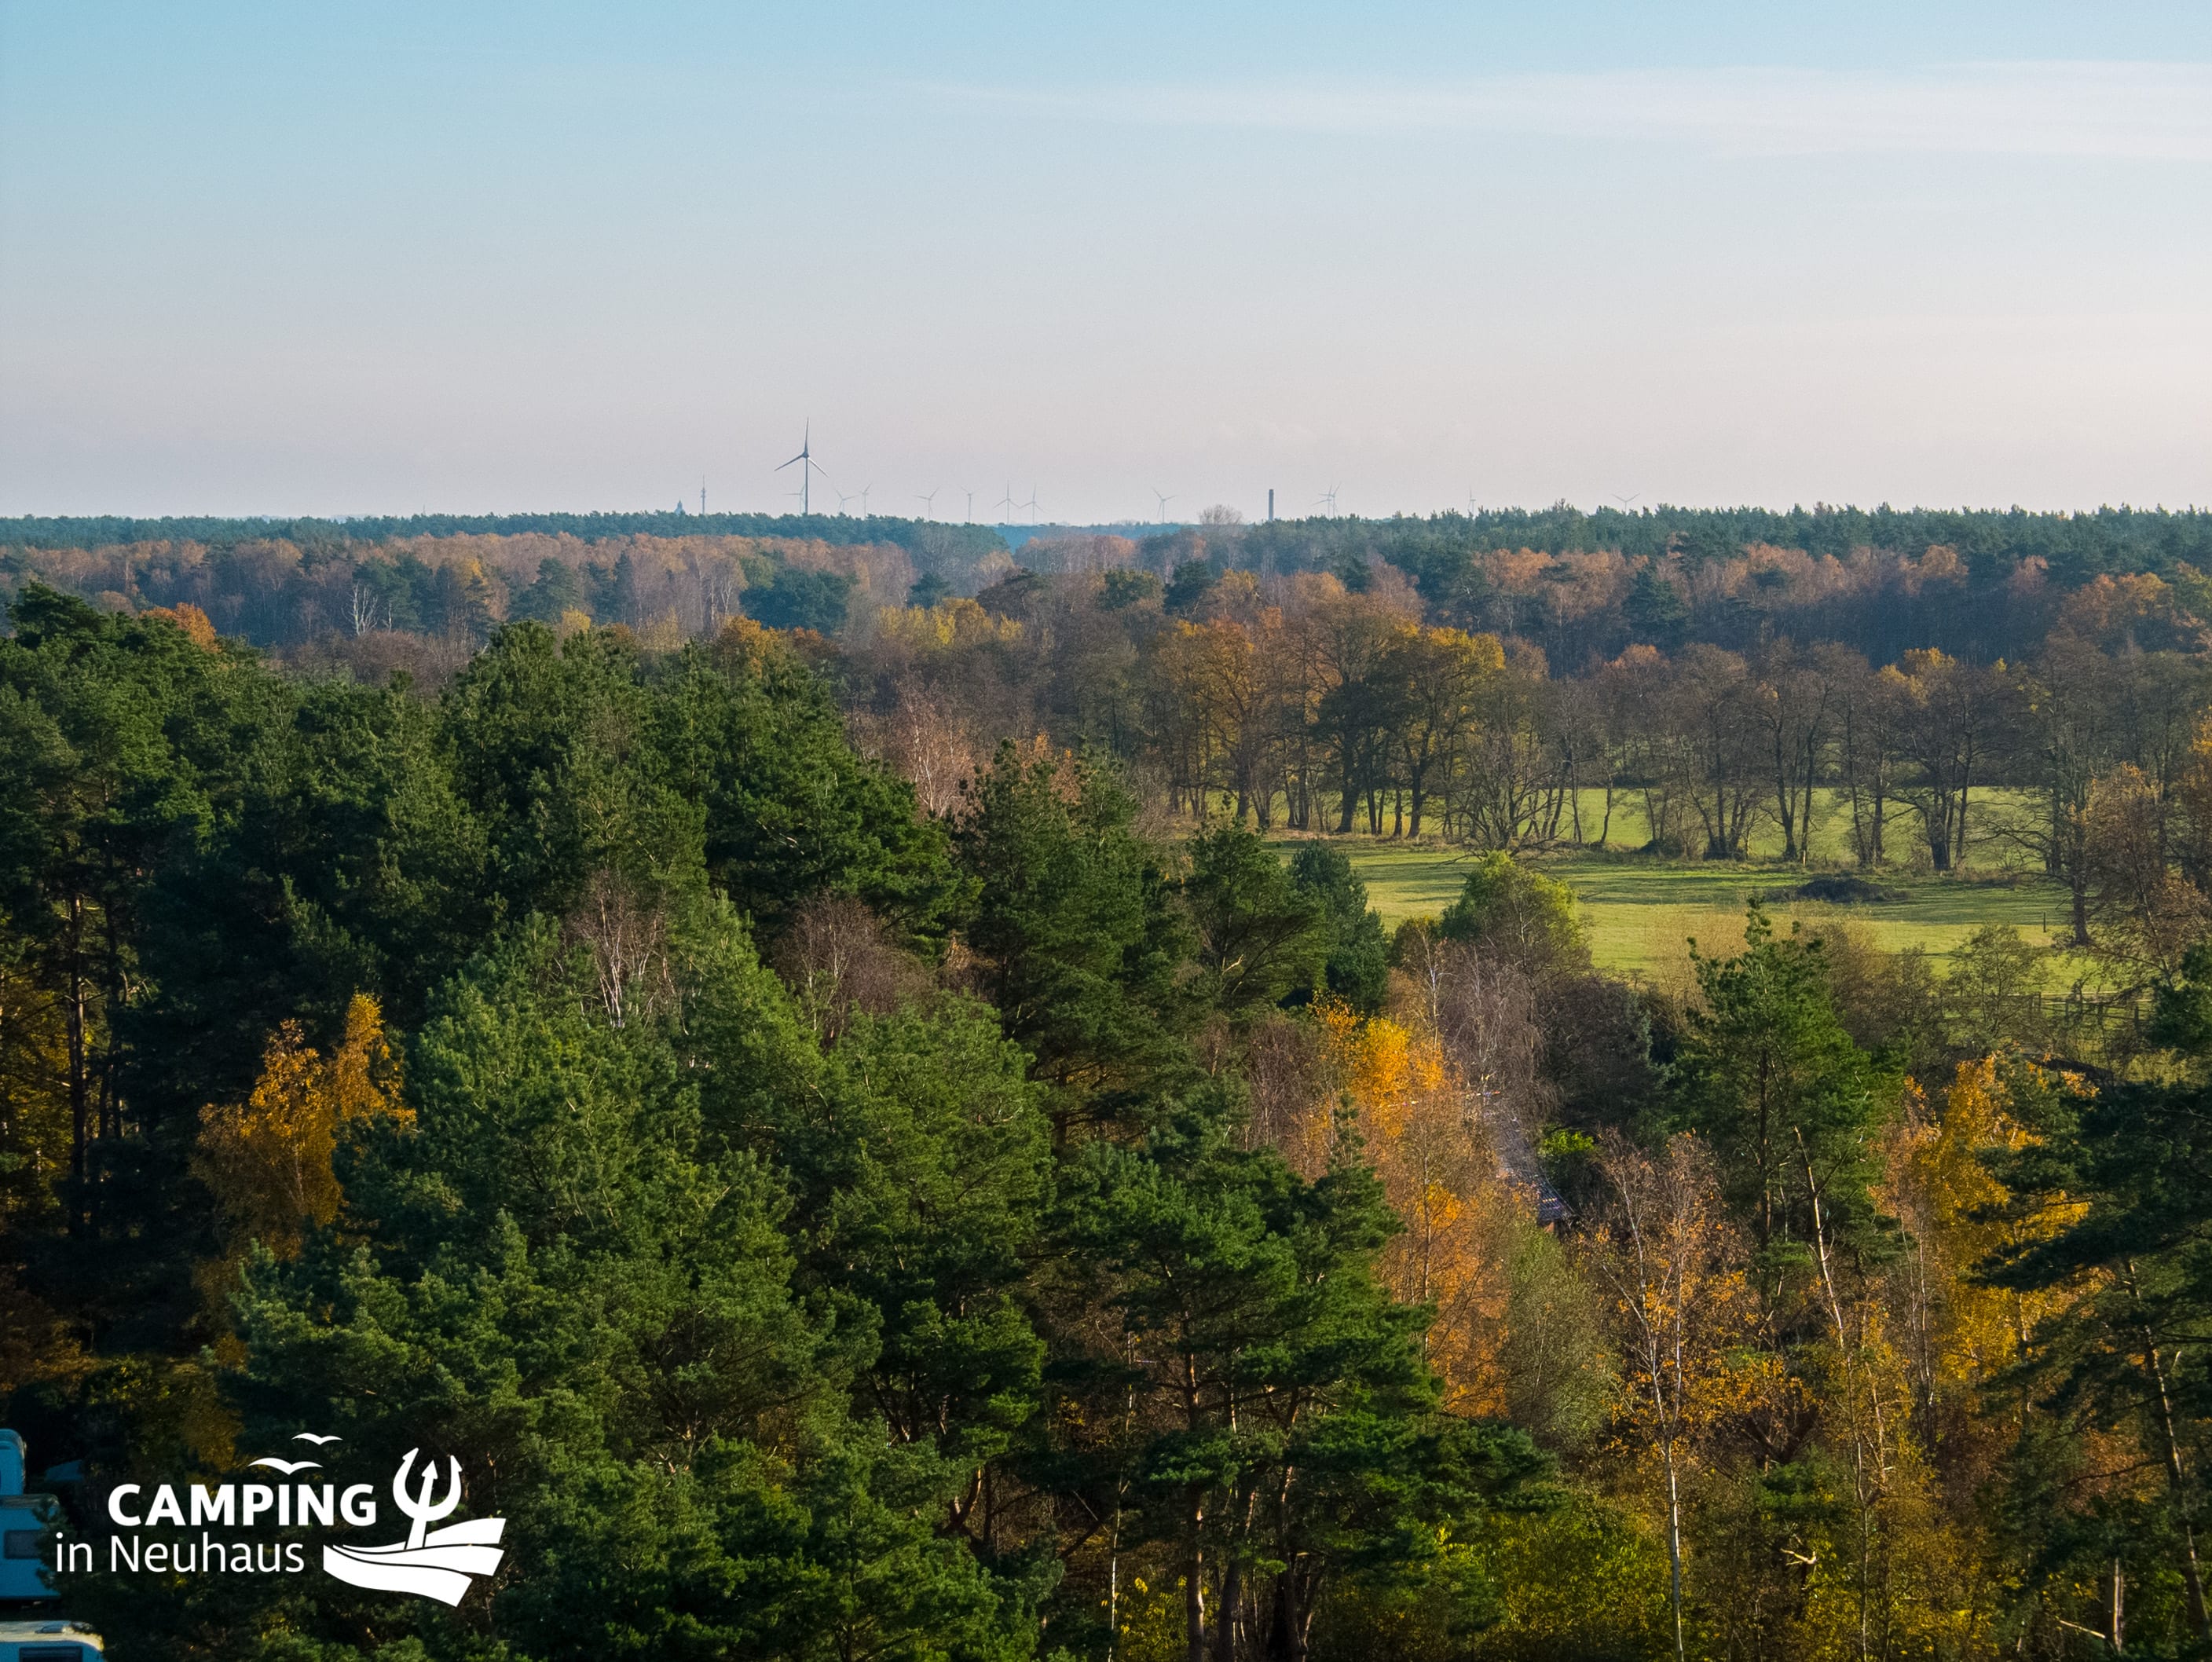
1328,498
928,501
969,517
1007,502
807,467
1164,500
843,497
864,489
1031,505
1623,500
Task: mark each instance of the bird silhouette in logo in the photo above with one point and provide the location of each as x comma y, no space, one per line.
292,1468
431,1563
288,1467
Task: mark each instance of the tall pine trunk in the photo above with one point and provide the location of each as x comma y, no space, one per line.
1194,1583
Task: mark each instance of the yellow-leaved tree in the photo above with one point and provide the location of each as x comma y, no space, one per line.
1442,1179
1673,1270
1963,1335
269,1160
1967,1333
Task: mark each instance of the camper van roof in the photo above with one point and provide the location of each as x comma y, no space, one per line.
17,1633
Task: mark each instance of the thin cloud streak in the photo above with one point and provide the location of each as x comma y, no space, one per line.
2127,111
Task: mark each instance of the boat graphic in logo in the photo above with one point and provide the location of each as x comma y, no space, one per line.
431,1563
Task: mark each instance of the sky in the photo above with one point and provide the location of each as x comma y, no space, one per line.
346,258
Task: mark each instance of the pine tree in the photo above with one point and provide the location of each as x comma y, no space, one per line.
1358,967
1075,933
1260,936
1768,1076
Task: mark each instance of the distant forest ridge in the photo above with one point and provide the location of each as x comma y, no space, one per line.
423,592
2074,546
108,530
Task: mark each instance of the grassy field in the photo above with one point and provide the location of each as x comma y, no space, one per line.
1638,911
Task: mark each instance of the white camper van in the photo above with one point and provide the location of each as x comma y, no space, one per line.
48,1641
24,1521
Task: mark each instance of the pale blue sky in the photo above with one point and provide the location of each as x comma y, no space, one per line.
330,258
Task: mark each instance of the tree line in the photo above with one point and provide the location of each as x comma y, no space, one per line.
425,602
2111,540
1977,585
32,532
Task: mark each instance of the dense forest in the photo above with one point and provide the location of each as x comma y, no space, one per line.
801,1059
1975,583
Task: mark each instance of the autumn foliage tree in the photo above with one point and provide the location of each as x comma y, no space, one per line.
1673,1268
270,1161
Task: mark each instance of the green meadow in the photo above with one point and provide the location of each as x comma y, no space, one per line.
1640,909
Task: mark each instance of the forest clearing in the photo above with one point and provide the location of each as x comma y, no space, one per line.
1639,911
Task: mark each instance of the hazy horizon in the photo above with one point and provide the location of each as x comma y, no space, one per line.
1021,529
260,262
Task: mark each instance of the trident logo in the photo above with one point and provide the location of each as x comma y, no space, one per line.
430,1563
419,1507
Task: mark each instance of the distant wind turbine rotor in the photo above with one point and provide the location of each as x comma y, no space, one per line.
928,501
1007,502
807,466
1164,500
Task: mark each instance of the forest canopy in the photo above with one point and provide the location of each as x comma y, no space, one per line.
859,1087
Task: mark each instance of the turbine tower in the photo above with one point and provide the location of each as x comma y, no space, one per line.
1007,502
1164,500
1031,505
928,501
807,467
969,517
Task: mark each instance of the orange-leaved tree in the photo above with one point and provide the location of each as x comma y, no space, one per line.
1442,1177
269,1160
